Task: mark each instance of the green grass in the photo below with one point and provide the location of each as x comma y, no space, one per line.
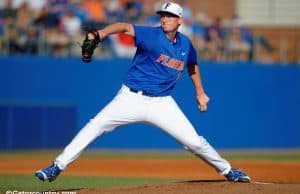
101,154
274,155
263,156
31,183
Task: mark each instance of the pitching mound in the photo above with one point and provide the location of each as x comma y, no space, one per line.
268,176
202,187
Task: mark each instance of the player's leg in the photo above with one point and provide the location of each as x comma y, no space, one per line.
171,119
123,109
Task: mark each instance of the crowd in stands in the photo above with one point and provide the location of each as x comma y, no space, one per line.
54,27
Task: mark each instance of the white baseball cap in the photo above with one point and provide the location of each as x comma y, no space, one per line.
172,8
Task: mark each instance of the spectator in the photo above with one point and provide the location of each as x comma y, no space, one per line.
214,41
54,41
214,46
71,27
25,42
186,26
24,17
70,24
46,19
149,17
133,11
8,16
123,45
211,41
249,38
217,27
95,10
57,6
8,11
113,10
239,48
33,5
57,43
17,30
31,41
78,10
2,33
199,25
12,38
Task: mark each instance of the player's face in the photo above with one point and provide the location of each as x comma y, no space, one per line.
170,22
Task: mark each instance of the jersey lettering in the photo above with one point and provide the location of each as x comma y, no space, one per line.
170,62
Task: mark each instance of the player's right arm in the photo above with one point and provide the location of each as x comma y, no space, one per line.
194,72
201,96
115,28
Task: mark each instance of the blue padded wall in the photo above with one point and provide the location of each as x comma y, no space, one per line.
252,106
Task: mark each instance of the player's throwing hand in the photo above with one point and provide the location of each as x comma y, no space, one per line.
202,100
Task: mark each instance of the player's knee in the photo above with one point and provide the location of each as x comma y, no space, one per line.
100,124
196,144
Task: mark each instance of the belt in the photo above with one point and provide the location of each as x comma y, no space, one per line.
141,92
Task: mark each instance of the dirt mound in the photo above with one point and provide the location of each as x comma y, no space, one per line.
201,187
269,177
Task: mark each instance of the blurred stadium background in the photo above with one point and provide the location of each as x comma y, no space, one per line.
249,52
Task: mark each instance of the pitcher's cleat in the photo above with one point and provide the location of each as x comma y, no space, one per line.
49,173
236,175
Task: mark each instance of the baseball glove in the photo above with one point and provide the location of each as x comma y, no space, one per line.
89,45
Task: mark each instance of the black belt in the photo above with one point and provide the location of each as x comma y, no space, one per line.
142,92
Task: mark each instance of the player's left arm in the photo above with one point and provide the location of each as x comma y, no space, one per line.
119,27
201,97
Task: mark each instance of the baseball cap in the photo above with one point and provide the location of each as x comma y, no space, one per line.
172,8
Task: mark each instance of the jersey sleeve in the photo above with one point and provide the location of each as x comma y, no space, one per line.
192,60
140,33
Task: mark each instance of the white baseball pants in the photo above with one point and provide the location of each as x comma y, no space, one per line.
129,107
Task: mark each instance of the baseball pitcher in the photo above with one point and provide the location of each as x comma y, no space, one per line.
162,55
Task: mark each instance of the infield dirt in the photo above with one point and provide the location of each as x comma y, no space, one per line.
268,177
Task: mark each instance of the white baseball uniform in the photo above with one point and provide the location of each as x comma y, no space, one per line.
145,97
131,107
